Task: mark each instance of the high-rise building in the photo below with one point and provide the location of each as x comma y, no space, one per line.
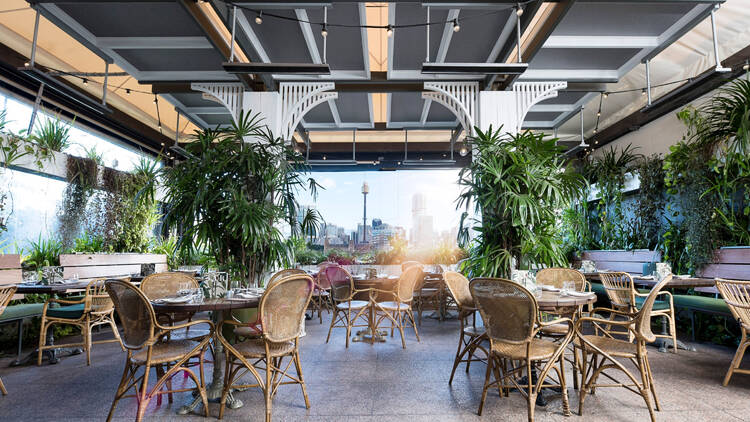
422,224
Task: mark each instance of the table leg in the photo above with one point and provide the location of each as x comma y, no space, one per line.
215,388
370,334
665,343
51,355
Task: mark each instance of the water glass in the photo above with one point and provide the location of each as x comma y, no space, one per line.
567,286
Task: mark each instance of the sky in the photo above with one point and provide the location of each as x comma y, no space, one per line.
340,203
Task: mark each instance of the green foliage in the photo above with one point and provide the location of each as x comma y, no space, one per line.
42,253
53,134
81,174
168,247
515,183
229,196
304,255
88,243
648,212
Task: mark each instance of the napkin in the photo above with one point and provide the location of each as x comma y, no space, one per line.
549,288
646,277
580,294
246,295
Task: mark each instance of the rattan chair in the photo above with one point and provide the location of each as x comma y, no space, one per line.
470,336
282,306
347,311
166,284
321,298
737,296
609,349
624,297
427,293
511,317
149,347
6,294
94,309
398,311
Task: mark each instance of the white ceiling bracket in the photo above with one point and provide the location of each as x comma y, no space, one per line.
297,98
458,97
529,93
229,95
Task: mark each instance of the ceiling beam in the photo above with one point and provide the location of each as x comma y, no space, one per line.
573,75
145,43
587,41
445,42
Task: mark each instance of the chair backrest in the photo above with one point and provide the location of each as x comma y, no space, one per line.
342,284
557,276
407,264
321,280
282,306
458,285
282,274
97,298
619,287
736,294
161,285
6,294
408,282
643,318
509,311
135,312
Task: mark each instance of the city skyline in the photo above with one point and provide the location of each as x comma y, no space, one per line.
389,199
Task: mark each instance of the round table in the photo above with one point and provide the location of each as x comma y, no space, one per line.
220,310
559,304
388,284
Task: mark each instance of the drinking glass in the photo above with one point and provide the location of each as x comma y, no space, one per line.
567,287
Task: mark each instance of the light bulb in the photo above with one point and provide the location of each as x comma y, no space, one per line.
85,81
463,151
519,10
598,114
162,144
27,64
127,91
420,158
606,95
325,158
643,92
155,101
259,18
746,66
456,26
324,31
389,31
594,131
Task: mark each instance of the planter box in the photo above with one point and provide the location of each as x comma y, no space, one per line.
91,266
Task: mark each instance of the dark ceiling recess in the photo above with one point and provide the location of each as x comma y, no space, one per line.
680,96
113,123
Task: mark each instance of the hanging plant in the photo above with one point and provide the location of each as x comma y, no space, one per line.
81,175
646,226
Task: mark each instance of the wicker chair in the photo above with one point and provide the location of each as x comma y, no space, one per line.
624,297
161,285
427,293
149,346
737,296
94,309
6,294
511,317
401,308
282,306
321,298
609,349
346,310
470,337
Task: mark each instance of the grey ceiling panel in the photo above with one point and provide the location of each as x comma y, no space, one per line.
581,58
439,113
406,106
354,107
194,100
344,49
133,19
479,32
409,43
173,59
216,119
321,113
621,18
282,39
565,97
541,116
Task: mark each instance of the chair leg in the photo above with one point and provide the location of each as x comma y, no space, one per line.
563,386
737,360
116,333
457,359
2,388
646,388
532,392
401,328
490,363
584,383
333,321
413,323
87,340
301,378
673,330
120,388
268,388
651,382
144,396
42,341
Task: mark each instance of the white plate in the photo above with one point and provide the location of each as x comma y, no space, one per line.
178,299
550,288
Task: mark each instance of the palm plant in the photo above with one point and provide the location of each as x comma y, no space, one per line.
516,185
43,253
230,195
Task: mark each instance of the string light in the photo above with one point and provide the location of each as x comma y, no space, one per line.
456,26
85,81
389,30
643,91
325,158
463,151
519,10
324,31
26,64
746,66
259,18
605,95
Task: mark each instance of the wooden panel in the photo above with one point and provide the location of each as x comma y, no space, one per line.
10,276
628,267
10,261
101,271
730,271
732,256
160,268
76,260
640,255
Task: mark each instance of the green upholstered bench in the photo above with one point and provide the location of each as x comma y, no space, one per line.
19,314
702,304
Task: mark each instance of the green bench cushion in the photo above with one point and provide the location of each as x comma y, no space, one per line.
68,312
658,304
598,288
702,303
21,311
